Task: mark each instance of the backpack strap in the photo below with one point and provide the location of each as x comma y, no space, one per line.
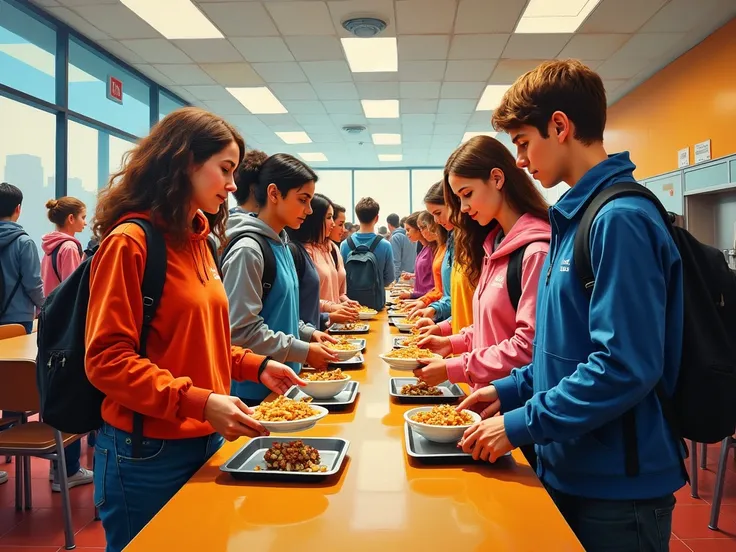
584,268
299,261
513,275
154,277
55,255
351,243
333,251
269,259
375,243
16,287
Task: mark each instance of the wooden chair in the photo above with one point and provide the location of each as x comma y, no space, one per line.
32,438
11,330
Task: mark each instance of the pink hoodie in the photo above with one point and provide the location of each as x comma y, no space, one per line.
499,338
67,259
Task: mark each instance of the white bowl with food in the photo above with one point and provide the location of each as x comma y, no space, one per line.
441,423
367,314
344,349
404,324
283,415
407,358
334,383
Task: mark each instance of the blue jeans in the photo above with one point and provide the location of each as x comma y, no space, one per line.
130,491
618,525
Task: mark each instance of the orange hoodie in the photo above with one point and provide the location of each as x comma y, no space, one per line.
189,351
435,293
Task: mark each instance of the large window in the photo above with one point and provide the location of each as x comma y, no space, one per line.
421,181
338,186
89,73
167,104
28,160
389,188
27,53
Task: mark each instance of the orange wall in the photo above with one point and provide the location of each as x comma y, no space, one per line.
689,101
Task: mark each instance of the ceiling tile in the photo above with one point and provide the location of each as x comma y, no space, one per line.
279,119
325,138
263,49
117,21
46,3
344,9
304,107
651,45
232,74
531,46
210,50
620,16
327,71
156,50
390,127
78,22
313,120
452,119
185,74
376,77
425,16
378,90
613,84
240,18
280,72
74,3
301,18
154,74
294,91
482,118
473,70
341,120
422,140
686,15
456,106
315,48
416,71
478,46
482,16
423,47
449,129
226,107
410,119
618,67
419,90
343,107
508,70
462,90
117,49
336,91
593,46
418,106
209,92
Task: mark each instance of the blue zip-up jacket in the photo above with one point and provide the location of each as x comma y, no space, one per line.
404,252
442,306
595,358
19,259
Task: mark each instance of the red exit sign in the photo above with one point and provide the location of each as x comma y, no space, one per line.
114,89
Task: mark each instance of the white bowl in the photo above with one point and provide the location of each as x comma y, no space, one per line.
405,363
403,327
296,425
369,315
345,355
438,434
325,389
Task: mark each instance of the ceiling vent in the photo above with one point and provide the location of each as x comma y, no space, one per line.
364,27
353,129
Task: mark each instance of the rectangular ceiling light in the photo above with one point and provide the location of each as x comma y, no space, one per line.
313,156
299,137
174,18
382,139
560,16
491,97
381,109
468,135
390,157
259,100
371,55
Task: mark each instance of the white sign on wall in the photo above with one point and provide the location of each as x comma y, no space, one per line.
702,151
683,158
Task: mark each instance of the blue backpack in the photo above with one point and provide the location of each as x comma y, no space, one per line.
364,279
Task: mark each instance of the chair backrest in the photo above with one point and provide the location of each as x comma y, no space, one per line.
11,330
18,391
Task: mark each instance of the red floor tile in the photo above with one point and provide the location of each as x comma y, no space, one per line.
675,546
43,497
29,548
45,527
707,483
711,545
9,518
690,521
92,535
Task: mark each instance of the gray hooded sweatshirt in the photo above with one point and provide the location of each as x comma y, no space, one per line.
19,259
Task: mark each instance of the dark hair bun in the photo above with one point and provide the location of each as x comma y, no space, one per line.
52,204
250,169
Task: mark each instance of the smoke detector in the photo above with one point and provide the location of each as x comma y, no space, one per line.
353,129
364,27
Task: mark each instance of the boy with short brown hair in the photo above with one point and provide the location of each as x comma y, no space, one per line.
588,400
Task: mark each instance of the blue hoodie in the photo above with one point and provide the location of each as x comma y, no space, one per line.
19,259
596,358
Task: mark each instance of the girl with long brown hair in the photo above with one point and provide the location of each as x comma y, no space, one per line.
181,385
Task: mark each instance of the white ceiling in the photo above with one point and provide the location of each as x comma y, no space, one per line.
449,50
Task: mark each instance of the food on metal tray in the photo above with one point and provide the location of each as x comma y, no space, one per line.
443,415
332,375
283,409
293,456
420,389
348,326
410,353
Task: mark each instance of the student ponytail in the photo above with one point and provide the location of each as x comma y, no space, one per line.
60,209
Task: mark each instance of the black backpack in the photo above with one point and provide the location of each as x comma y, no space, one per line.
514,274
69,402
364,279
703,407
4,306
55,254
269,259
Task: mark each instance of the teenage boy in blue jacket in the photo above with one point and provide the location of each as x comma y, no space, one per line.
595,357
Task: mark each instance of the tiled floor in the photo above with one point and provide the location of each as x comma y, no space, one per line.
42,530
